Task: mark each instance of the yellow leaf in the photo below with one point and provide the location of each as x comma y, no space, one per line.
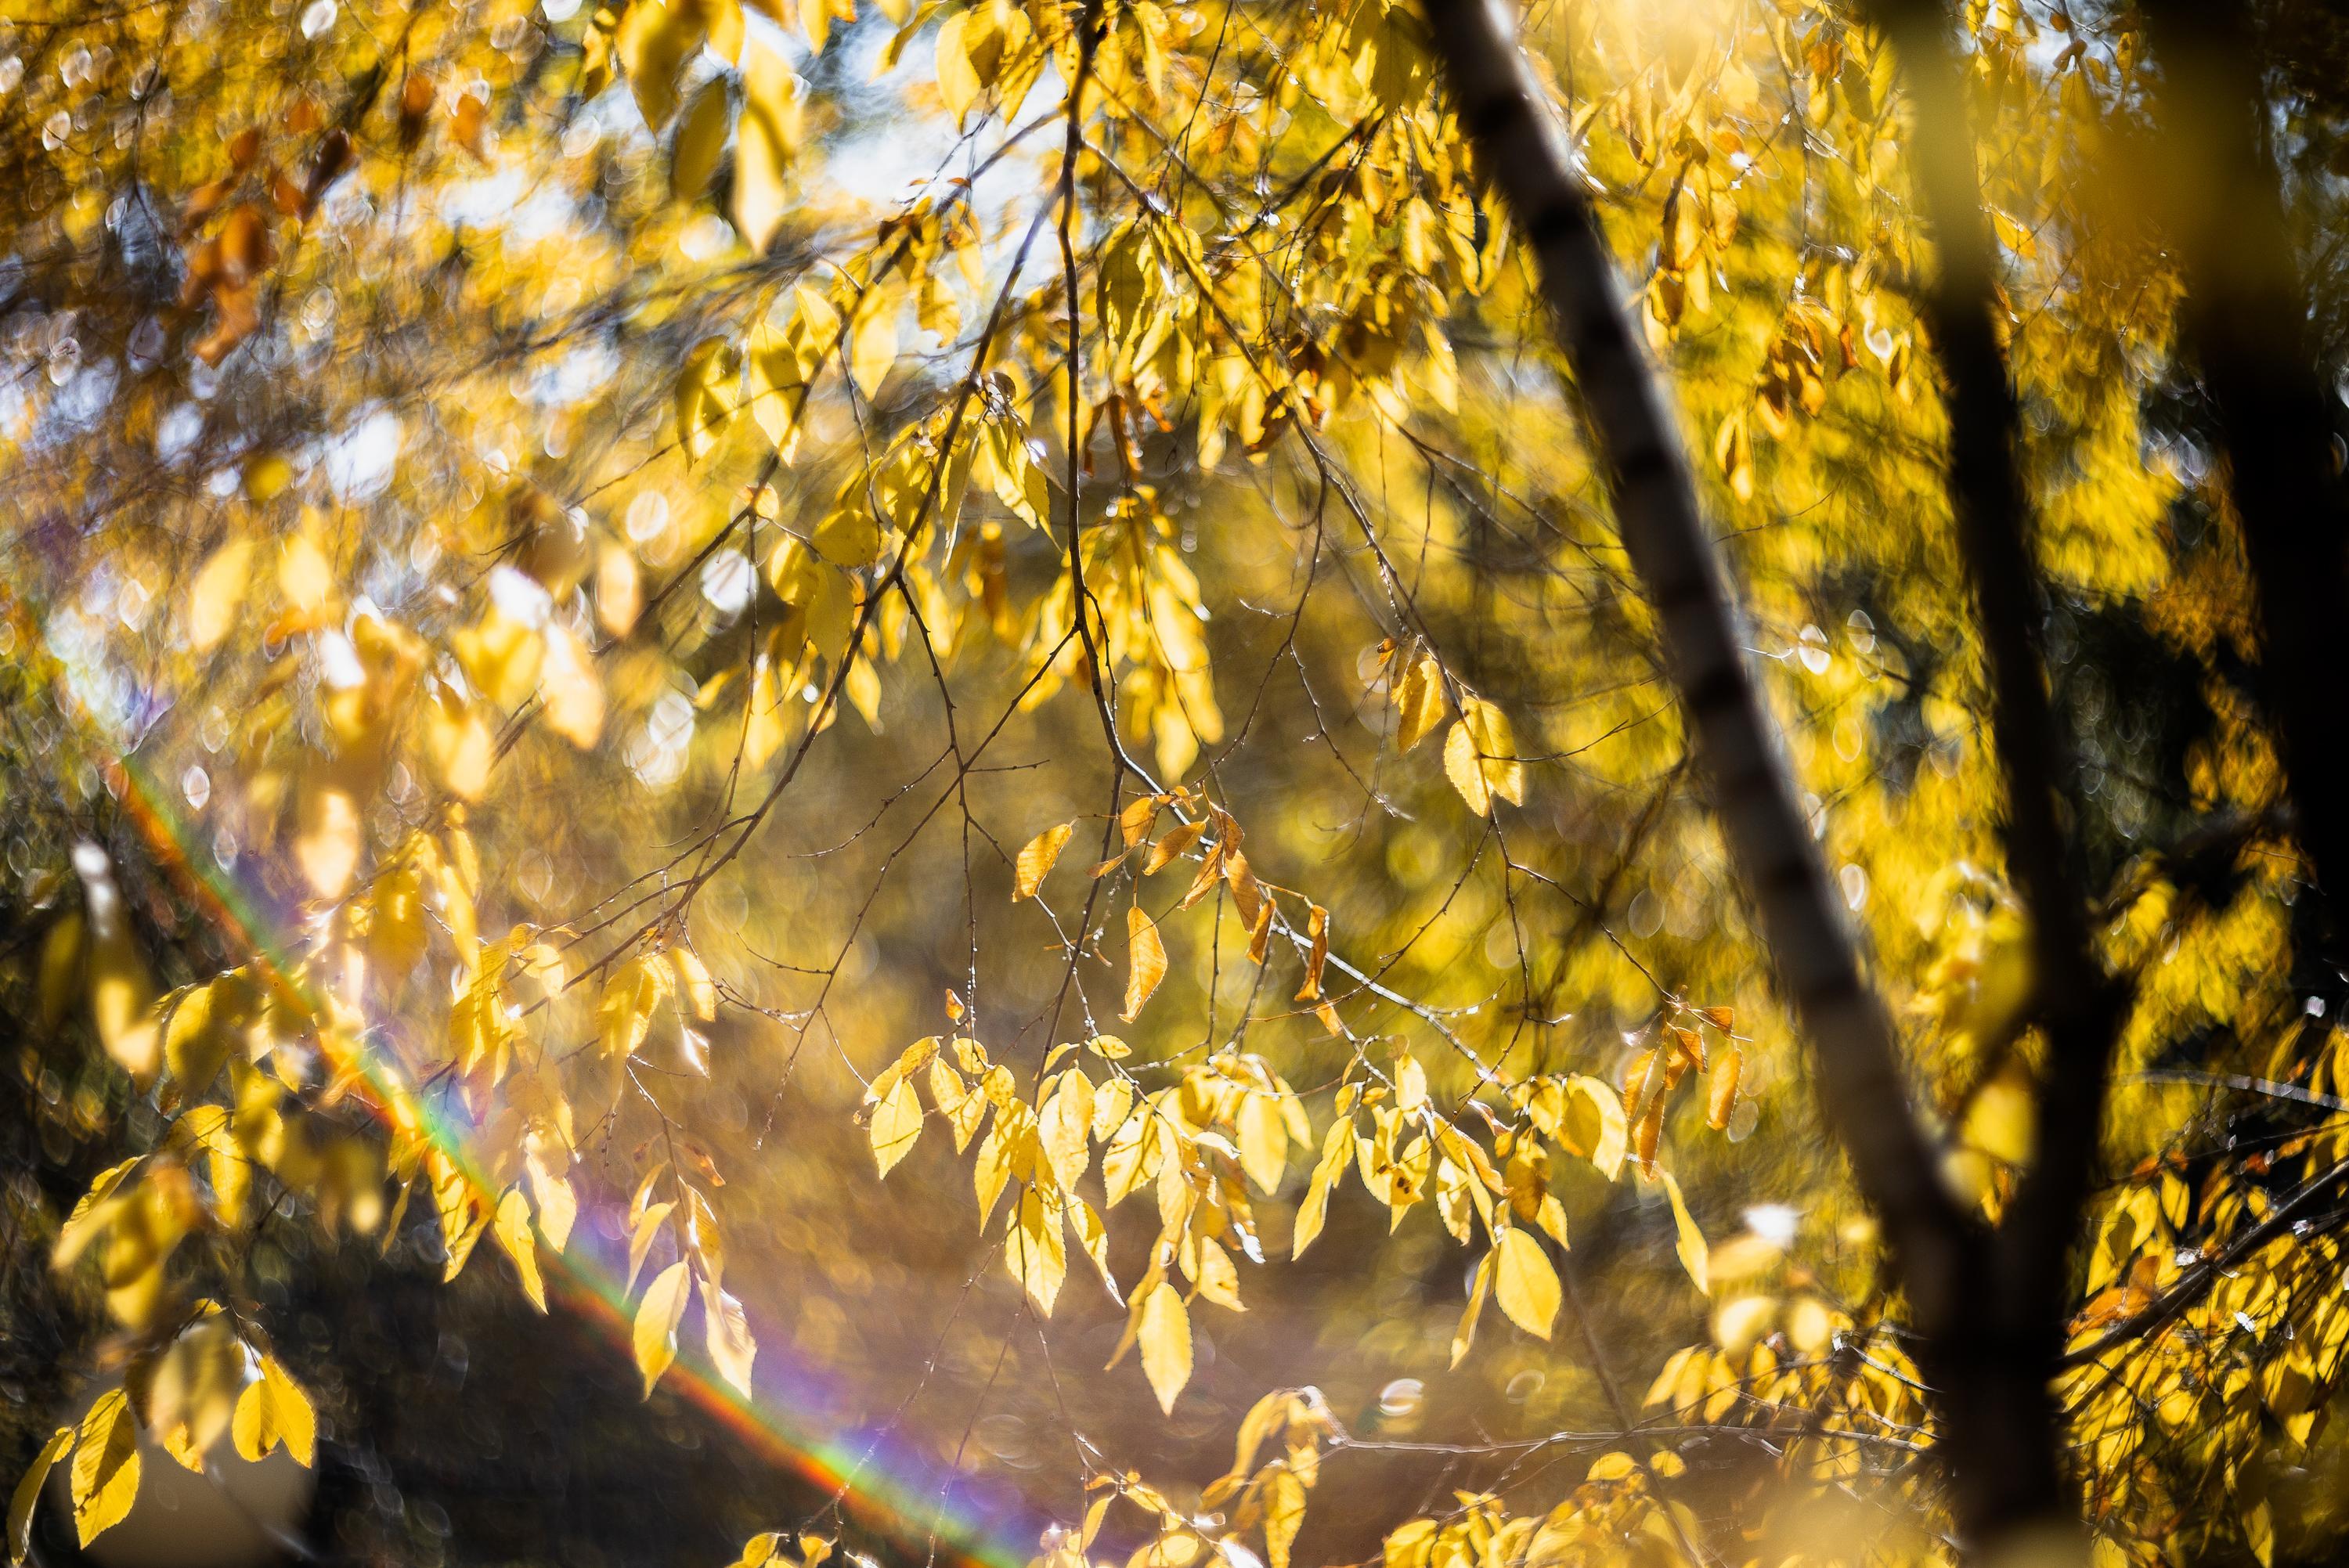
1034,1249
1145,961
1479,1288
1460,767
304,575
1037,857
1093,1237
1336,1154
120,993
1419,703
652,42
1492,749
1524,1283
647,1231
1165,1336
1694,1255
217,592
873,344
511,1227
728,1330
766,144
760,1549
328,848
700,138
1175,843
1284,1516
461,747
619,589
694,984
655,1338
957,83
573,693
897,1124
105,1466
1264,1140
1064,1126
1594,1127
28,1494
273,1411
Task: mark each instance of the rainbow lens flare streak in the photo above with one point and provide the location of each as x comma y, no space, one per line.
874,1475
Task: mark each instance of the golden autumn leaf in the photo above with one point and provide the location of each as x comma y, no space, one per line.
957,83
274,1412
726,1331
1145,961
1035,1250
572,691
329,838
27,1495
1480,758
1419,702
1524,1283
765,144
511,1226
1165,1335
897,1124
1037,857
654,1336
105,1473
1480,1290
700,138
1690,1244
217,592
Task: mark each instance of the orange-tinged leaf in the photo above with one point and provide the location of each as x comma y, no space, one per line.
1145,961
1037,857
1317,956
1174,844
1419,702
1722,1099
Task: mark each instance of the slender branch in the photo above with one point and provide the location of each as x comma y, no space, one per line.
2197,1281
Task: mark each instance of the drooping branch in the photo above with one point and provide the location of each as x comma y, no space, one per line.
2245,325
1816,957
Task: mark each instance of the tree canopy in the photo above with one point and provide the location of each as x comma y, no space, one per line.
1291,783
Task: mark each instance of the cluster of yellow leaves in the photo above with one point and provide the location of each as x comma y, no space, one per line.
1195,1144
691,1222
183,1396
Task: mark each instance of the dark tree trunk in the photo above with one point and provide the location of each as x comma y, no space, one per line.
1988,1307
2246,326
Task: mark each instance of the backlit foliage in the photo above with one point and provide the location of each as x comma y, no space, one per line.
579,576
